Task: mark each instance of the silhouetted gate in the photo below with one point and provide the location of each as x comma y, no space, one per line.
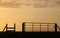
39,27
9,29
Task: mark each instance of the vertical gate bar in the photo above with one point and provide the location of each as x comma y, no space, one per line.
47,27
40,27
14,27
32,27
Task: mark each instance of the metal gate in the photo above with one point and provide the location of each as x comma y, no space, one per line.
39,27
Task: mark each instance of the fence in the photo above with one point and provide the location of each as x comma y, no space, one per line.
35,27
7,28
39,27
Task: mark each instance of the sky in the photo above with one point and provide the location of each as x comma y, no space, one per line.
30,0
29,3
20,15
12,15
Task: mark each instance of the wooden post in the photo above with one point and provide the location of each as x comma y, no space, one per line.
23,27
55,27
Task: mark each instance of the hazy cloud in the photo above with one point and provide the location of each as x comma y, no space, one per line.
29,3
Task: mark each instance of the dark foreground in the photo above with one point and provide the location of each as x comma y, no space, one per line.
28,34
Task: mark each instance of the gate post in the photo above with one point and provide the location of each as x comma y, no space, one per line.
55,27
23,27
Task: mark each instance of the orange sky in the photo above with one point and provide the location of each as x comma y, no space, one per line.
23,11
19,15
